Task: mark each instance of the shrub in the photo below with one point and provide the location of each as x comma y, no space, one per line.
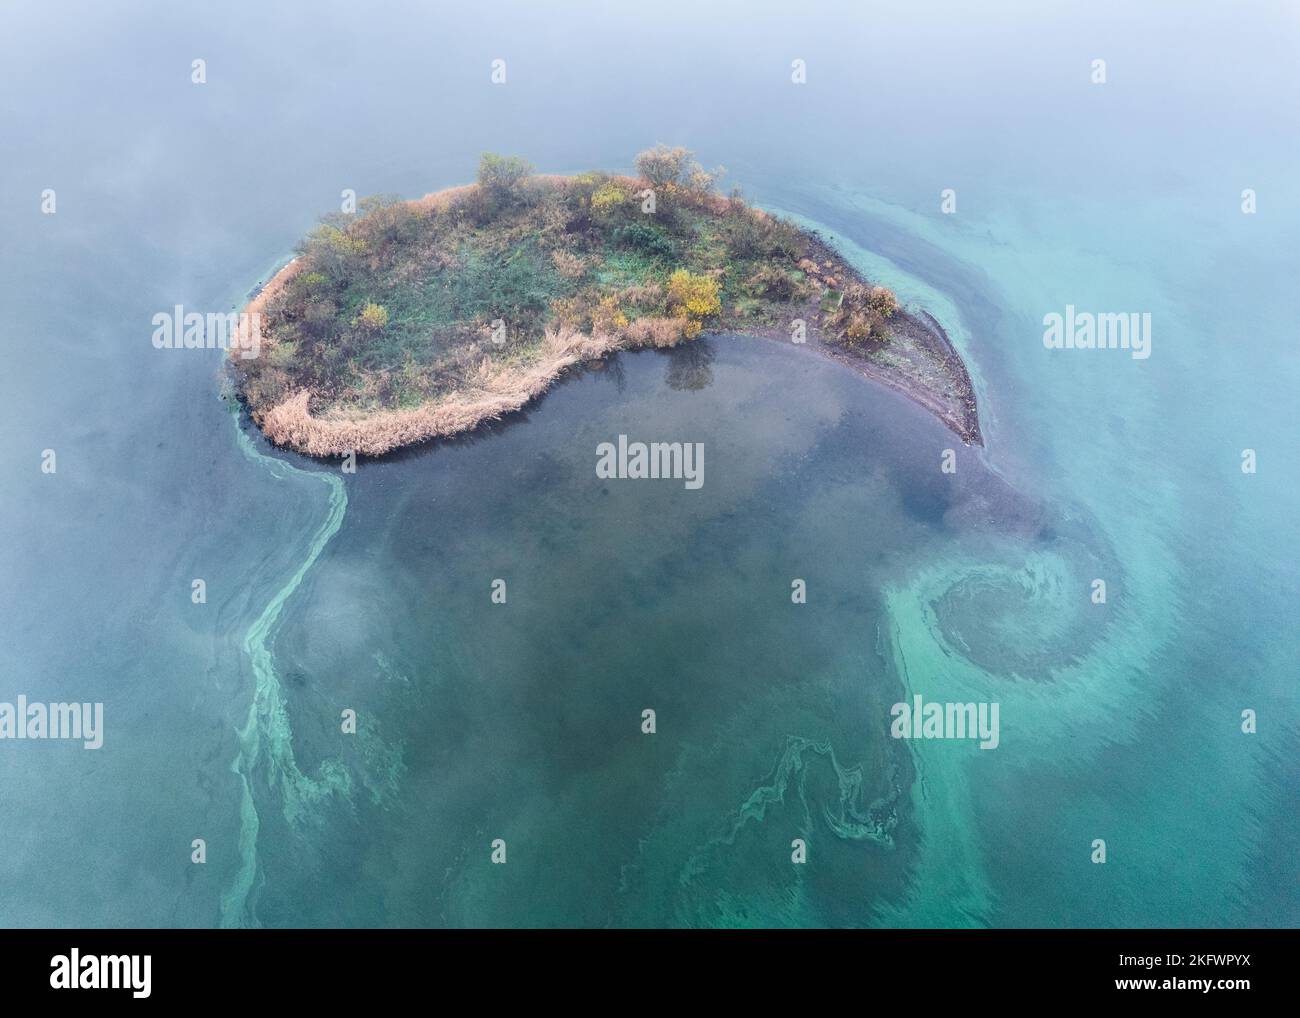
674,170
753,234
701,180
554,216
309,282
882,301
695,297
608,198
318,317
783,238
477,205
643,295
644,238
501,176
771,281
606,318
568,264
388,224
283,355
662,165
569,312
858,327
373,317
657,332
581,188
334,252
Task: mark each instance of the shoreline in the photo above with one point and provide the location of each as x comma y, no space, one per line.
510,388
962,419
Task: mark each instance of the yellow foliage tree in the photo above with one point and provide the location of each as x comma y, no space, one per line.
695,297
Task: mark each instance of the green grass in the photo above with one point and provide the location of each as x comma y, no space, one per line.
444,276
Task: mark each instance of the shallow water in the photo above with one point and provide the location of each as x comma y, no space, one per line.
522,721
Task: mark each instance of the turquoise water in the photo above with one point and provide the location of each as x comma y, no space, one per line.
522,721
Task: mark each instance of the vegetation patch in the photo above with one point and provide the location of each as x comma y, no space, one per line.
411,320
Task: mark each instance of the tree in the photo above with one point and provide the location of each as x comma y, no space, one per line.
662,165
690,367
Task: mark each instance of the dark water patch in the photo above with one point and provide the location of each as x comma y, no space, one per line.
522,720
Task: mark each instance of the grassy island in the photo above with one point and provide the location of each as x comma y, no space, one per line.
411,320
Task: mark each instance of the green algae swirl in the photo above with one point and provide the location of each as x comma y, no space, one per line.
266,739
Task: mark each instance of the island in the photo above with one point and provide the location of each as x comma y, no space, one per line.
404,321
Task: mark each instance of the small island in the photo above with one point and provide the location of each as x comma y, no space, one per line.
412,320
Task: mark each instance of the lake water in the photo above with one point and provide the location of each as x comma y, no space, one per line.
522,721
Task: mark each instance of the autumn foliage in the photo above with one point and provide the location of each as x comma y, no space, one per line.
410,320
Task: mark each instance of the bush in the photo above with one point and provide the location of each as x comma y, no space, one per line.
334,252
882,301
645,295
373,317
770,281
318,318
675,167
477,205
608,198
583,187
753,234
500,176
659,332
863,326
783,238
861,315
607,318
695,297
644,238
568,264
662,165
386,225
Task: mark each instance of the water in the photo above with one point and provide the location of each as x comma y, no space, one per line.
522,721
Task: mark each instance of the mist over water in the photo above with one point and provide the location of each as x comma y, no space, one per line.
522,721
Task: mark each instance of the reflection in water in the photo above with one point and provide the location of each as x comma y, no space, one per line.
1120,720
689,366
631,594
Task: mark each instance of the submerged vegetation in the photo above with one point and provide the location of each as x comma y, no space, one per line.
411,320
